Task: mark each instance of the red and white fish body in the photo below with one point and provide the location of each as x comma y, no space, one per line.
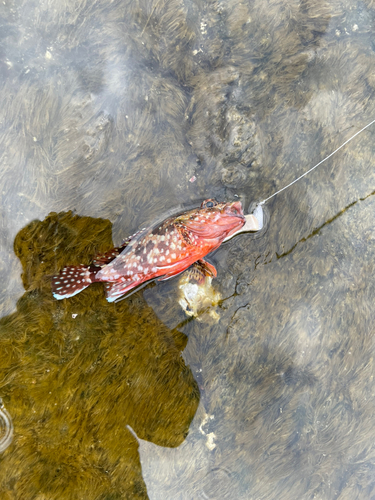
160,252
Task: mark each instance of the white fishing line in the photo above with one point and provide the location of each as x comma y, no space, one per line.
317,165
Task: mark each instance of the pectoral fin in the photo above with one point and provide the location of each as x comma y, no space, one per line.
199,271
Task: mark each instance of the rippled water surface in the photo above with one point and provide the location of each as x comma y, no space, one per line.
114,112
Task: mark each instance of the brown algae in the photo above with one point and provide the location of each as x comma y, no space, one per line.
75,373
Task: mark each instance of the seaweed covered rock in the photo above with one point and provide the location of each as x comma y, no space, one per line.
76,373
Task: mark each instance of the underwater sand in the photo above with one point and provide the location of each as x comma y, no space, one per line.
108,112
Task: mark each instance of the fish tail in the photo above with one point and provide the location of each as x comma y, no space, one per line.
71,280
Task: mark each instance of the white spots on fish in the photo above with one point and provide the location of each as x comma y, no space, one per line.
70,281
167,252
169,261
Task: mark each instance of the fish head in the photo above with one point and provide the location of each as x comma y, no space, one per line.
214,220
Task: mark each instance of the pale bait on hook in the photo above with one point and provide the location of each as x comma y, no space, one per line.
259,215
254,222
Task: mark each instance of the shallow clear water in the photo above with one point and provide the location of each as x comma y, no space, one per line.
120,112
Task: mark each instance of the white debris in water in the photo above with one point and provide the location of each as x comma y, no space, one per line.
211,436
210,441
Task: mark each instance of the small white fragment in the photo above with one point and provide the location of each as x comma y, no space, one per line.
258,214
210,441
74,316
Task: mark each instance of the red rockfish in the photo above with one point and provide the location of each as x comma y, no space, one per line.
162,251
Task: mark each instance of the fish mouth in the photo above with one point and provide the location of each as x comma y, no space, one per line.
235,209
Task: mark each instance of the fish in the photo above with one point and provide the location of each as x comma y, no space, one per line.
159,252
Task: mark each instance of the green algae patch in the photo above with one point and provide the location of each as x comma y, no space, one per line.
74,373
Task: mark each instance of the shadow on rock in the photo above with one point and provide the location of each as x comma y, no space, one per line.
75,373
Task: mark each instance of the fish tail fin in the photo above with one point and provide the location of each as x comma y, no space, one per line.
70,281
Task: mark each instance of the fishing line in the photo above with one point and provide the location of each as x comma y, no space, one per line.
317,165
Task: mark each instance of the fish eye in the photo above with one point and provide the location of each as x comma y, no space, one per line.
234,211
209,204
